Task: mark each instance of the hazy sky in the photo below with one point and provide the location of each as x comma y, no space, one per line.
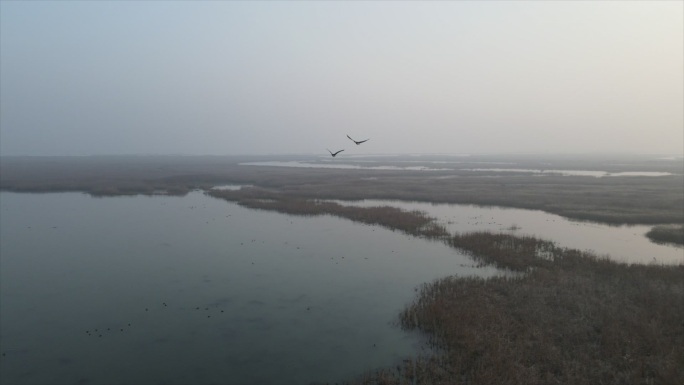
219,77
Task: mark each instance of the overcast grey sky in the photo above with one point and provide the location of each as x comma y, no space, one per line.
182,77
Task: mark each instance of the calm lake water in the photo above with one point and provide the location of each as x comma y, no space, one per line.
621,243
152,290
359,162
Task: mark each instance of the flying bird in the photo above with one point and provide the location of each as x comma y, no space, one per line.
359,142
334,153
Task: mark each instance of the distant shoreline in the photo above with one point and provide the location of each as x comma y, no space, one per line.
614,200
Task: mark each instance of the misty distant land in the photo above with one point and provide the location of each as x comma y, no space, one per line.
616,189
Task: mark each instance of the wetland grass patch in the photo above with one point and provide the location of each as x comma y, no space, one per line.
667,234
616,200
571,318
415,223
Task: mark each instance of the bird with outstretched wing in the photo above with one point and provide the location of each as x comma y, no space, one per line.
357,142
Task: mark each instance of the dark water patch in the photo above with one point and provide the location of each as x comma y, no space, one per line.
64,361
64,285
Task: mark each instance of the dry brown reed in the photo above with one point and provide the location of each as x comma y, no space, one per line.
652,200
410,222
572,318
518,253
667,234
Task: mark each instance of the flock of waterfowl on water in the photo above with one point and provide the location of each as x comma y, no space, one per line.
206,311
100,332
357,142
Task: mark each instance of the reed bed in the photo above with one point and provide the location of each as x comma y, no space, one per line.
571,318
518,253
617,200
667,234
415,223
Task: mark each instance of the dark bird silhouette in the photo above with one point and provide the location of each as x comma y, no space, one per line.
357,142
334,154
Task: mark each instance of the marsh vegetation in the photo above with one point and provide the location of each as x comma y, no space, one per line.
617,200
413,222
568,318
571,318
667,234
562,316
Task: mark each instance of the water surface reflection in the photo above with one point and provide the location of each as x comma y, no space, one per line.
622,243
173,290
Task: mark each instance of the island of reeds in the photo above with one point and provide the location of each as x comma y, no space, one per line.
667,234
